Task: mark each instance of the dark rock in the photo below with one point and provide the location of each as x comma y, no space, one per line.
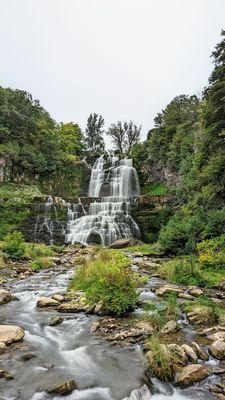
55,321
63,388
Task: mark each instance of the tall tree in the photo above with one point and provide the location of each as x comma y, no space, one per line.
71,141
94,135
124,135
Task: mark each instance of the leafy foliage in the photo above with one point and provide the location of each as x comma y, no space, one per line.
94,135
13,247
109,280
124,136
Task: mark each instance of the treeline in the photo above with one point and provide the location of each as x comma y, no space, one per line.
189,138
34,144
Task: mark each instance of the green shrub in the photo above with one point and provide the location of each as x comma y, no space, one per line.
159,360
108,279
41,263
35,250
13,247
204,301
212,252
183,271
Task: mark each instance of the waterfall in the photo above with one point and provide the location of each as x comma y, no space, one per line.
114,188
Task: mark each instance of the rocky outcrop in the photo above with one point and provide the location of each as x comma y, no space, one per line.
122,243
201,315
11,333
217,350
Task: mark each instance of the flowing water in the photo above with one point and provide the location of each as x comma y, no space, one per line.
109,218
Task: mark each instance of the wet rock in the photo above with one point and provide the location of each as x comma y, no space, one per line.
98,309
8,376
201,315
63,388
190,353
2,347
94,326
72,307
217,370
47,302
170,327
2,373
55,321
162,291
58,297
218,390
192,373
178,354
196,292
208,330
140,394
5,296
28,356
202,355
217,350
11,333
220,335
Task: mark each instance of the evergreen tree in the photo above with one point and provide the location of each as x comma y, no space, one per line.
95,145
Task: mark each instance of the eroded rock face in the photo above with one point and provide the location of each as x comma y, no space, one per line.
192,373
5,296
218,350
122,243
47,302
11,333
63,388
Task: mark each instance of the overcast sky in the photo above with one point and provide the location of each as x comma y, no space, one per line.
124,59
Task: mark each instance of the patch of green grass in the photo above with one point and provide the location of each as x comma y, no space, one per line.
12,190
41,263
155,189
183,271
159,360
35,250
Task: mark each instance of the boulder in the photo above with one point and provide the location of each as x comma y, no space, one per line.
94,326
217,350
185,296
72,307
125,242
196,292
47,302
200,352
55,321
192,373
167,289
178,355
170,327
58,297
11,333
220,335
190,353
5,296
63,388
201,315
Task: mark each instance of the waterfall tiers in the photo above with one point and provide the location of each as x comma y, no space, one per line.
117,186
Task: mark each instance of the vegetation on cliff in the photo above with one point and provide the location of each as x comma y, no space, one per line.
189,140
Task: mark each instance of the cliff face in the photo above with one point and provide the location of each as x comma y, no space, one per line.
67,180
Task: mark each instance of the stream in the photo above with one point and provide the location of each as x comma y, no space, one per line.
68,351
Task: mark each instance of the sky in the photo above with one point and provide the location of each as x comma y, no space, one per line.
123,59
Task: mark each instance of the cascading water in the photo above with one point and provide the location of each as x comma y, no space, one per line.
109,217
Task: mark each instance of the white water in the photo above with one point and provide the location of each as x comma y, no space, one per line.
109,219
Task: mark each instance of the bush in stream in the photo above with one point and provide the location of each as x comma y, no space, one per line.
159,361
108,279
14,246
